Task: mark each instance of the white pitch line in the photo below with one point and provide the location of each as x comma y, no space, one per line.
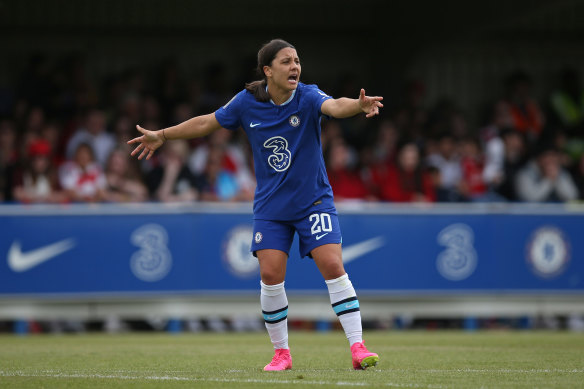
512,371
413,370
57,374
192,379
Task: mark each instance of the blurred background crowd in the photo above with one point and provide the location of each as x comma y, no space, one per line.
66,114
484,102
63,137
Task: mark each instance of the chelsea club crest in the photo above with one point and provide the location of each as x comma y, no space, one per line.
236,255
294,120
548,252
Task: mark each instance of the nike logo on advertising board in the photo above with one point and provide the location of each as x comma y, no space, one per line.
352,252
252,124
319,237
20,262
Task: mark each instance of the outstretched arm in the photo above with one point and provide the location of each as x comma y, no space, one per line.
196,127
345,107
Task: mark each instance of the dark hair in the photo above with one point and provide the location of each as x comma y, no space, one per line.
265,57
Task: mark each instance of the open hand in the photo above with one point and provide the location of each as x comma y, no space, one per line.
147,142
370,104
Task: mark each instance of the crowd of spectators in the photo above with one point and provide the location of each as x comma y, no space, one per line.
525,151
63,136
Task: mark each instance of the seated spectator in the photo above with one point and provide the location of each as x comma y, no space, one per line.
446,159
52,133
38,182
406,180
386,142
505,155
30,129
172,180
528,118
442,195
500,119
233,159
331,132
219,183
122,130
124,183
544,180
473,185
82,178
93,133
345,180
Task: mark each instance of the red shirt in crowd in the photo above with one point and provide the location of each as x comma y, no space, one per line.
472,175
347,184
397,185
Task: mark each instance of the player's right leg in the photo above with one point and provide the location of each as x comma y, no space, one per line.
275,306
271,244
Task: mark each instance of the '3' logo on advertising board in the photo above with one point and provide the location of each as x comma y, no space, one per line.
153,261
459,260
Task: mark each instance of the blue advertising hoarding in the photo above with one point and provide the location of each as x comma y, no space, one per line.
204,249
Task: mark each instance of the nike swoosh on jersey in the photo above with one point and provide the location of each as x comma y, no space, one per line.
319,237
354,251
252,124
20,262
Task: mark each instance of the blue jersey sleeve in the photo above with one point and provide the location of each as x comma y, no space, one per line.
316,97
229,116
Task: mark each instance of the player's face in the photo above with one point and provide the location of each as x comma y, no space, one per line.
284,72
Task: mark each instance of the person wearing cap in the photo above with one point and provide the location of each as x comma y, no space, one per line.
37,182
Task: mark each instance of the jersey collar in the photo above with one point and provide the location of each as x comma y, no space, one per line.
287,101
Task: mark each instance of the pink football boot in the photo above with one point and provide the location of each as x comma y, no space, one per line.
362,358
282,361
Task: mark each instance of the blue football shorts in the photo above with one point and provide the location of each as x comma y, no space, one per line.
315,230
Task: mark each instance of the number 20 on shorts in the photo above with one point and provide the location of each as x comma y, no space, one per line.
321,222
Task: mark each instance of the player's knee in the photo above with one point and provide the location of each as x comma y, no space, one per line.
336,271
332,268
272,276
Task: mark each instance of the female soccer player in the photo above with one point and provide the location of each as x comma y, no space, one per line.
281,117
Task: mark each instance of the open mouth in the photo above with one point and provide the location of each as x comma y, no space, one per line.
293,78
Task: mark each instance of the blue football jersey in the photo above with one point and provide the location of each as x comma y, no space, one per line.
287,152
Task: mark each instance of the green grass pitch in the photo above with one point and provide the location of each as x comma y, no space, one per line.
408,359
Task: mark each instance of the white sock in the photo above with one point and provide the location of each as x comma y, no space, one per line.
346,306
275,311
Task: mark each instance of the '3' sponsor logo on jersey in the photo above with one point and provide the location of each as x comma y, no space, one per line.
281,157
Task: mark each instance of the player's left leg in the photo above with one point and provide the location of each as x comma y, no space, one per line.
344,300
271,244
